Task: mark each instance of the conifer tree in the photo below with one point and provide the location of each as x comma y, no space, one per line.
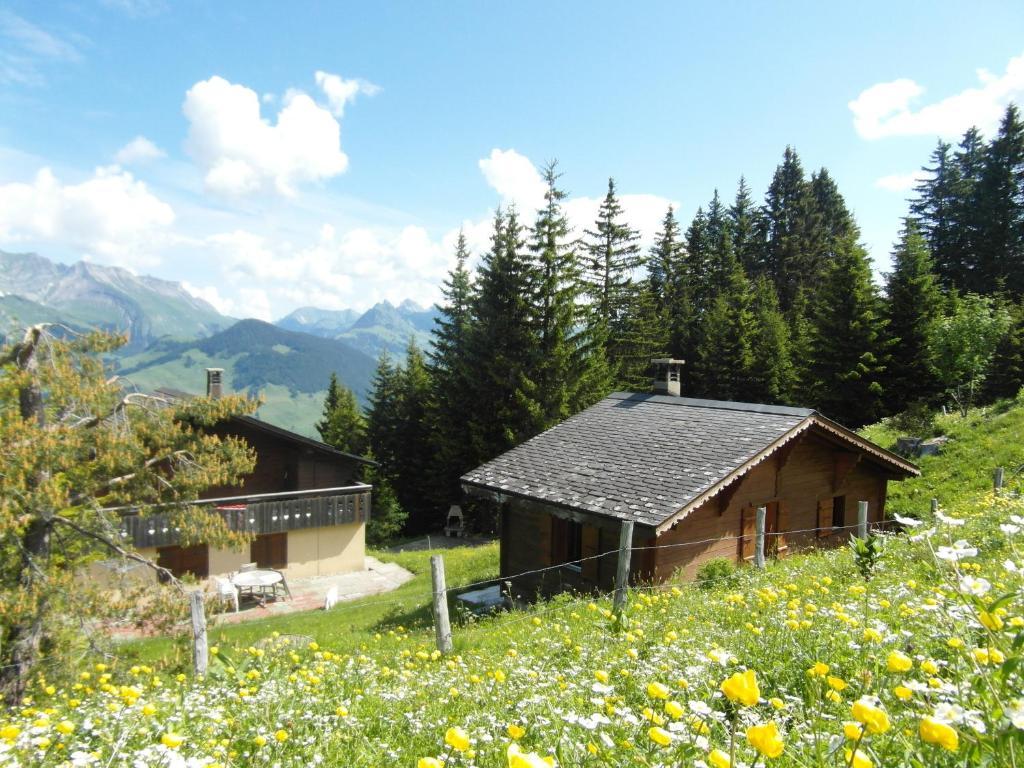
968,214
913,303
413,445
746,231
555,297
845,364
503,409
642,337
342,425
451,381
935,209
724,357
613,253
801,342
670,285
382,422
784,219
771,377
1005,377
999,246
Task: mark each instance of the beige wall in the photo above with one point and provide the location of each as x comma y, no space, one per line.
225,561
323,551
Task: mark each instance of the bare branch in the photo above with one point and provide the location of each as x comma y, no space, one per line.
113,546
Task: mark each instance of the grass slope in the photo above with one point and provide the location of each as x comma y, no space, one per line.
806,663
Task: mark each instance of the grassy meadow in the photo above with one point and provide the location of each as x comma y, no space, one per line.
908,657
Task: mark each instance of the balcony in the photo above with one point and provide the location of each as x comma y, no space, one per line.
260,513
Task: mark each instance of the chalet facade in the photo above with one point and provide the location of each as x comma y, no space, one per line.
303,505
688,473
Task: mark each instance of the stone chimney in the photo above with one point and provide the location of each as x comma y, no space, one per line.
214,382
667,374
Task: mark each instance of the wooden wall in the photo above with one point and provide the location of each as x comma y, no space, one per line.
283,465
814,469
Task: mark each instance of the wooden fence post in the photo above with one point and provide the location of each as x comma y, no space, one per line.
442,628
997,480
622,574
862,519
200,657
935,507
759,537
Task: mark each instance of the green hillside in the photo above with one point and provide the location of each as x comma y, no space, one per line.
818,660
289,370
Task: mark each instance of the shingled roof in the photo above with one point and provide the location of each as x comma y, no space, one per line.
653,458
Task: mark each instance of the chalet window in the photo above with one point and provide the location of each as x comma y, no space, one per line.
566,542
838,512
270,550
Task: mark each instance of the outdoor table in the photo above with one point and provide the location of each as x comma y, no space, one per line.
260,580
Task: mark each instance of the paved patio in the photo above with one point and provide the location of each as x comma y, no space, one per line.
308,594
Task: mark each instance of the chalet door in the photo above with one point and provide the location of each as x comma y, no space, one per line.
775,527
270,550
182,560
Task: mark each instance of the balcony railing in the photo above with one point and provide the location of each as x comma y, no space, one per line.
261,513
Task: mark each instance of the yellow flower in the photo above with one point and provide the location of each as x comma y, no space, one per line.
819,669
936,732
929,667
834,696
852,731
281,735
857,759
766,739
519,759
897,661
260,741
601,675
990,621
429,762
660,736
874,717
9,733
341,711
836,683
777,702
674,709
457,739
719,759
657,691
172,740
515,732
955,642
742,687
902,692
872,634
65,727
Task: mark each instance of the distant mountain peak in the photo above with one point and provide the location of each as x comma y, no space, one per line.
411,306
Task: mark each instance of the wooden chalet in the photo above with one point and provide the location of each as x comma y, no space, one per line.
302,502
687,472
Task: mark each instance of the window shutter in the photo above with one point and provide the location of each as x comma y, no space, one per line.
824,517
747,525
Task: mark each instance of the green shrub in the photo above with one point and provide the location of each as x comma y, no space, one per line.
716,572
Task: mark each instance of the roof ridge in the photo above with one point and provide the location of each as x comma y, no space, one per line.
724,405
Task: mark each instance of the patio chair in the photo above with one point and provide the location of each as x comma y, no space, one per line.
227,591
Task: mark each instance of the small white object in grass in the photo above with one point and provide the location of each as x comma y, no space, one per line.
331,598
910,522
958,551
949,520
974,585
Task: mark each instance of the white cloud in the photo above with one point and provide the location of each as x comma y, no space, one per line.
112,216
242,153
138,150
26,47
212,296
900,182
340,91
886,109
515,179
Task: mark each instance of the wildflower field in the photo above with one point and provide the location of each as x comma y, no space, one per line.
906,654
814,661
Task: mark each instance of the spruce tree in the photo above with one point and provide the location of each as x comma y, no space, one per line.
555,297
450,380
1005,377
913,301
784,219
846,345
342,425
999,196
382,420
772,374
936,209
414,445
723,355
503,409
746,231
670,285
642,337
800,326
968,213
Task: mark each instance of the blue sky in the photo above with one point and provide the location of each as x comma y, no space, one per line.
279,154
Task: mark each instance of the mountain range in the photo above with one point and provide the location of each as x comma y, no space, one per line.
174,336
